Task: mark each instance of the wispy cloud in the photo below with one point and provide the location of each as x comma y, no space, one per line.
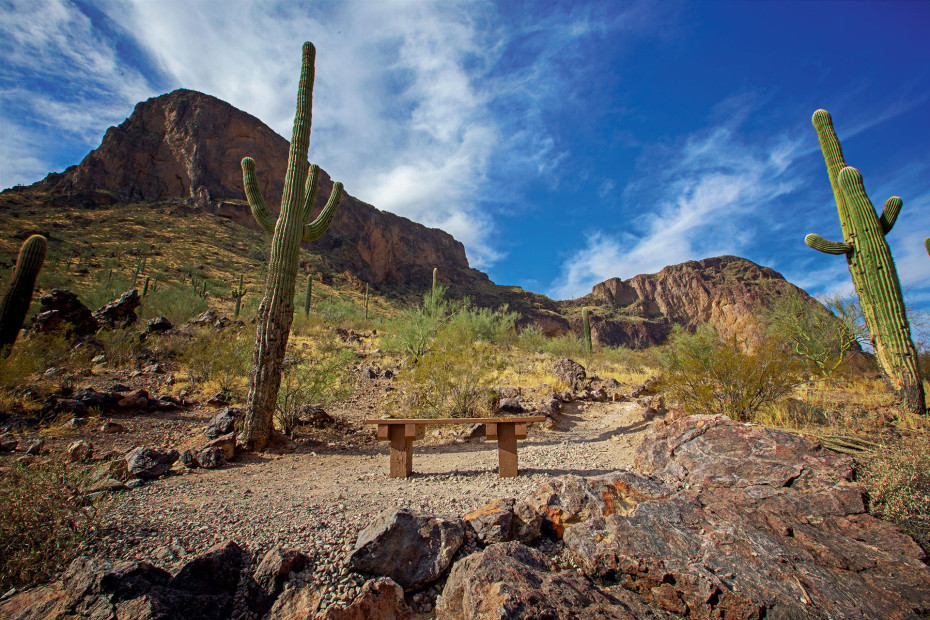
703,195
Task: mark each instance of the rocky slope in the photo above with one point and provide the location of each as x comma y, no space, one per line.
188,145
729,293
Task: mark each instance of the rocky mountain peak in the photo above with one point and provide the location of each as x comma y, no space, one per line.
187,145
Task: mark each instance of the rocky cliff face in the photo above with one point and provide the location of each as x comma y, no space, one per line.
727,292
188,145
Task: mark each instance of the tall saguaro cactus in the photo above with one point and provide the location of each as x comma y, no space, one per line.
292,226
872,268
16,302
586,324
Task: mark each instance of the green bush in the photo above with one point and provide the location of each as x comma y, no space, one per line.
177,303
531,339
711,376
455,378
44,521
336,311
566,345
318,379
217,355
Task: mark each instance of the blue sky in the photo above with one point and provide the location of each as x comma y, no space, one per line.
563,142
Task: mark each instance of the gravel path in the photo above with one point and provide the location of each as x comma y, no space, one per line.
318,498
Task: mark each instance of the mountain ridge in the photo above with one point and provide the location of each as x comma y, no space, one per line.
185,146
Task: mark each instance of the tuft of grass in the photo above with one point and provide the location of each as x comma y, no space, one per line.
45,521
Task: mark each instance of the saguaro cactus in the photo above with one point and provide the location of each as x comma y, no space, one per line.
435,277
16,302
309,295
872,268
238,294
586,321
293,225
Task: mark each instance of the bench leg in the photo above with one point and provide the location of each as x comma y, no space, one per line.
401,452
507,450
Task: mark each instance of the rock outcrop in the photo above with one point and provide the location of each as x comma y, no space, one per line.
728,293
187,145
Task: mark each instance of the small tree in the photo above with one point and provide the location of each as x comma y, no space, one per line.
820,334
711,376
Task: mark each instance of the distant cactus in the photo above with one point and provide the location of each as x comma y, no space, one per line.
276,311
145,289
435,275
16,302
309,294
872,268
588,347
238,294
366,301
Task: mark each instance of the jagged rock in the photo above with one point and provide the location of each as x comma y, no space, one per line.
107,485
62,311
55,406
568,500
218,400
510,405
8,442
647,387
551,406
315,417
35,447
138,399
149,463
153,369
759,523
188,459
296,604
91,397
569,372
211,458
119,313
412,549
512,581
110,428
116,469
76,423
80,451
223,423
204,319
275,567
226,443
504,520
158,325
379,599
370,373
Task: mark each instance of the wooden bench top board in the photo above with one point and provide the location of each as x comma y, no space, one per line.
510,420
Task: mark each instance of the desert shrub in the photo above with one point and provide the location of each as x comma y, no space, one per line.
222,356
531,339
897,478
122,347
44,521
566,345
474,324
455,378
412,333
318,379
336,311
711,376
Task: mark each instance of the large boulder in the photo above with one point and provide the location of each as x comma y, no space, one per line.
511,580
569,372
760,523
223,422
410,548
504,520
275,567
379,599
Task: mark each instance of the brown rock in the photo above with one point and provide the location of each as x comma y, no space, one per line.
512,581
569,372
137,399
504,520
80,451
62,311
296,604
275,566
120,313
379,599
761,523
226,443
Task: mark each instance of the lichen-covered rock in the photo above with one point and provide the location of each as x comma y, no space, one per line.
223,422
412,549
121,312
211,458
569,372
379,599
62,312
504,520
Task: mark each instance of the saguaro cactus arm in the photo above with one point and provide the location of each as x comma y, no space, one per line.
826,246
315,229
15,304
890,213
260,211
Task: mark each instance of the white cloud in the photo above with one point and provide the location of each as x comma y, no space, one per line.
704,195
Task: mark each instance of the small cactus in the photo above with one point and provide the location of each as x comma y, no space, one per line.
588,347
366,302
16,302
309,294
145,289
238,294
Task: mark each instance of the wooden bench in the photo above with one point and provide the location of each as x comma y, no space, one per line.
402,433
